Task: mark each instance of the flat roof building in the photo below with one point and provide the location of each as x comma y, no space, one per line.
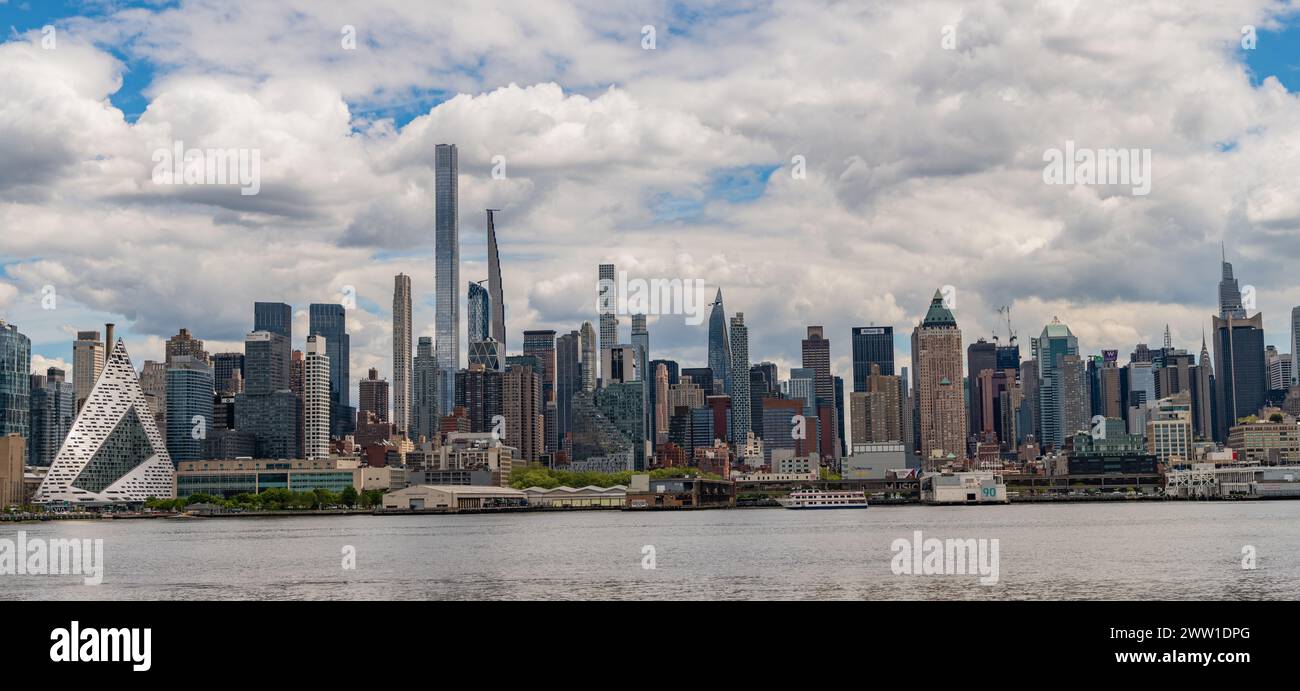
455,498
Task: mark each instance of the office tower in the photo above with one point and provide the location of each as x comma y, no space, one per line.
114,453
541,344
762,384
980,355
1278,366
153,382
876,412
740,419
12,489
803,387
1229,294
373,396
703,378
598,440
1175,375
937,376
1203,396
424,391
1169,429
330,321
316,399
497,303
1057,342
402,335
660,402
619,365
227,372
15,381
1241,378
641,339
607,306
779,420
1295,345
568,379
87,363
816,352
589,362
53,406
189,406
872,345
268,410
1111,389
1071,379
523,407
276,317
479,391
719,347
447,273
720,408
841,439
1008,356
685,394
183,343
478,309
623,404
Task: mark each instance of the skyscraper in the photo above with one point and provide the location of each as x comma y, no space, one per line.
719,347
331,321
316,399
228,372
478,310
15,381
276,317
189,406
937,376
1229,294
497,301
114,453
447,273
402,334
568,379
816,355
53,407
641,339
373,396
424,391
1055,406
980,355
268,409
1295,345
184,343
1241,378
588,356
524,408
872,345
87,362
607,303
739,343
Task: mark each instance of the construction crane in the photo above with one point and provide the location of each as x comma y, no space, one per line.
1005,311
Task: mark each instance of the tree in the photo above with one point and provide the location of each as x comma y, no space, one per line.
348,496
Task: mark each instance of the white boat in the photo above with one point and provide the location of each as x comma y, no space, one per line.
824,499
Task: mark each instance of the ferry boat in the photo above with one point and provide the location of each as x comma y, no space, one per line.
824,499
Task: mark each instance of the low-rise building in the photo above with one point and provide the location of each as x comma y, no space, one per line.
871,461
227,478
1266,442
680,493
963,488
580,498
455,498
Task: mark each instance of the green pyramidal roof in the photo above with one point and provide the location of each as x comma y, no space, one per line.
938,315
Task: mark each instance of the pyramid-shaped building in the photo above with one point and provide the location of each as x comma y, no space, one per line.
114,453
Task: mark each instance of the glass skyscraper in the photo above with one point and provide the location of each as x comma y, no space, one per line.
189,407
719,349
330,321
446,247
275,317
479,307
15,381
872,345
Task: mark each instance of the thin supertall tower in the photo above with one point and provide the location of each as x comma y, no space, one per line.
495,296
402,353
608,306
446,246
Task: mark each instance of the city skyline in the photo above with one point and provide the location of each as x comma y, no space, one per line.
732,216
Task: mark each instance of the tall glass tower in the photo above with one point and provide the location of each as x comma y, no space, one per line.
401,352
719,350
446,250
330,321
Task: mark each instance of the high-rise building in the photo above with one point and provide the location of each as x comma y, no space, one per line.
316,399
607,302
937,377
816,351
479,391
1279,369
424,392
541,343
373,396
872,345
524,410
331,321
641,339
588,357
876,413
740,418
446,273
980,355
478,311
660,402
402,335
87,362
114,453
183,343
268,410
619,364
276,317
1203,396
1229,294
1241,377
1169,429
1057,406
15,381
189,406
12,487
496,298
568,379
1295,345
719,347
53,407
228,372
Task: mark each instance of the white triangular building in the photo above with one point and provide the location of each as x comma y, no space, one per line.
114,453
